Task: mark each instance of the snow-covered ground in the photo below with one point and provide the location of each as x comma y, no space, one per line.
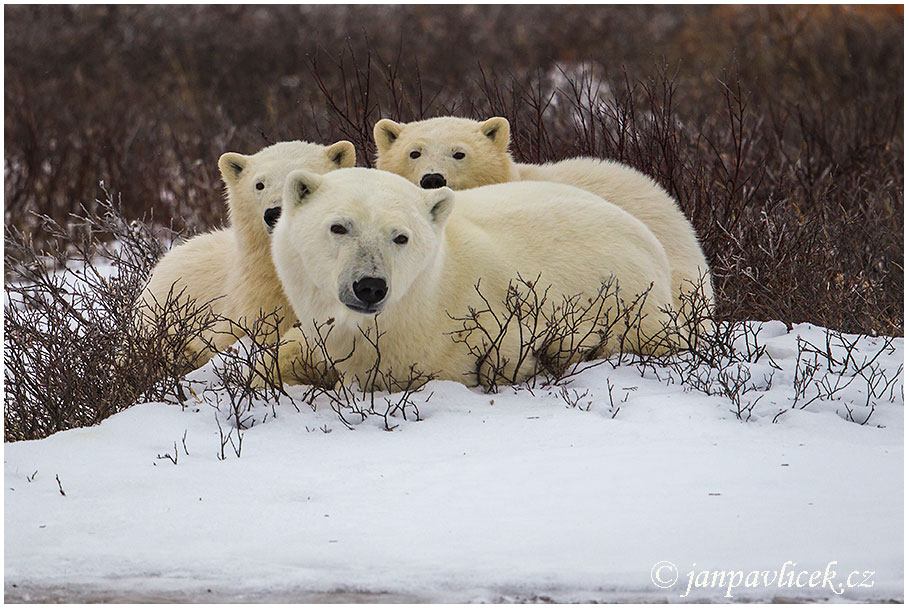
513,496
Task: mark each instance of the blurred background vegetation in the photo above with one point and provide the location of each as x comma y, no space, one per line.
778,128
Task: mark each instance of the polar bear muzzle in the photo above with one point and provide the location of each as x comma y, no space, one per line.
369,293
271,218
432,180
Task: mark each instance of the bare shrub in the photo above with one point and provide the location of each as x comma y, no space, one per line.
376,391
823,373
546,335
73,354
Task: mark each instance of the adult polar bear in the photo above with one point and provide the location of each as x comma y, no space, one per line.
362,246
463,153
229,272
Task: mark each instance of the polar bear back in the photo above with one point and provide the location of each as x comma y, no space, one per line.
570,237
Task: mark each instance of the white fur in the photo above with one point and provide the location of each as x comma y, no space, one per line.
619,184
490,234
231,269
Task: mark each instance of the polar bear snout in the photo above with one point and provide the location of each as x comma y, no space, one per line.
370,290
365,295
271,216
432,180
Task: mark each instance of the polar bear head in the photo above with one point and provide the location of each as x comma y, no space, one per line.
353,242
255,183
448,151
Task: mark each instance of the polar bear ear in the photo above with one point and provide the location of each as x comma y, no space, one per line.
299,186
232,165
342,154
498,130
385,133
441,203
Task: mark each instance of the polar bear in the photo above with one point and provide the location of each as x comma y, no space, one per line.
229,272
366,253
462,153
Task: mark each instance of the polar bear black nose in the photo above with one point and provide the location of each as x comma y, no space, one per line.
432,180
271,217
370,289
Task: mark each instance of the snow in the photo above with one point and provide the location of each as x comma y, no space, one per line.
508,497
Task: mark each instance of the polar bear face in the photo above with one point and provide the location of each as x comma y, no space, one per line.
358,238
448,151
255,183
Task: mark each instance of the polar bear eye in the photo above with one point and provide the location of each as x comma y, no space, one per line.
260,186
339,229
415,154
401,239
459,155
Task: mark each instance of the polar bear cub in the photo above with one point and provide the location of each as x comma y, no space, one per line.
463,153
229,272
362,248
